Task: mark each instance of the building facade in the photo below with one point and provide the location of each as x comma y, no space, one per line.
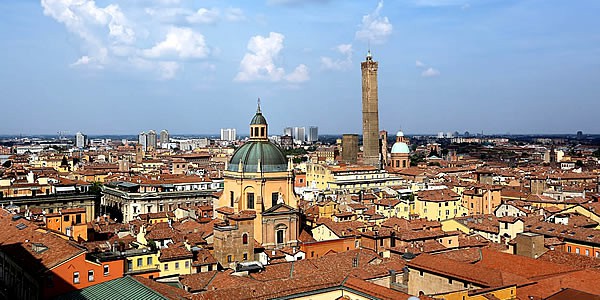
260,180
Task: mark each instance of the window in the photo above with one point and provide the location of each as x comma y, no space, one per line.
231,198
569,249
229,258
274,198
466,285
312,253
280,236
149,261
75,277
106,270
66,218
139,262
587,252
176,265
421,273
187,264
381,242
262,131
166,267
245,239
577,250
250,198
245,256
449,281
91,275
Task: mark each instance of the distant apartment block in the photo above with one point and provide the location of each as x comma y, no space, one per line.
81,140
228,134
313,134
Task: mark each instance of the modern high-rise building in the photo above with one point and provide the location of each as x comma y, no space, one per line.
143,140
80,140
164,136
228,134
299,134
313,134
370,111
288,131
152,141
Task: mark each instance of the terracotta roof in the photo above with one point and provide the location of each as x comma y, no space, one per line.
583,280
174,253
21,240
569,294
441,195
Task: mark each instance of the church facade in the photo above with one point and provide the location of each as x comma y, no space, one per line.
259,182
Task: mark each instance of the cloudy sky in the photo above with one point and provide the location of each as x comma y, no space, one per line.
110,66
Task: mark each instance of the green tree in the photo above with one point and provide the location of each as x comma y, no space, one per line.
96,188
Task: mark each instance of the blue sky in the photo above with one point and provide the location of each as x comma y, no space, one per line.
123,67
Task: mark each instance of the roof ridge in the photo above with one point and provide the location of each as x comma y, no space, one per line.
147,287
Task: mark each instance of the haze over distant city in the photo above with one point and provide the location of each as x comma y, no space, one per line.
121,67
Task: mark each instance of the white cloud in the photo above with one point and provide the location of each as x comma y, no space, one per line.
374,28
259,62
179,42
84,60
329,63
419,64
204,16
234,14
430,72
300,74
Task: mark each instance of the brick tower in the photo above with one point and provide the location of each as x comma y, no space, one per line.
370,111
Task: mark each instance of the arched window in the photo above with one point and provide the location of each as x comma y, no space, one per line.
245,239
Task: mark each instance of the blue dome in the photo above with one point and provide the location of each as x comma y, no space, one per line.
401,148
269,156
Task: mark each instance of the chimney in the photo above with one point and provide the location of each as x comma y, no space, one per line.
392,277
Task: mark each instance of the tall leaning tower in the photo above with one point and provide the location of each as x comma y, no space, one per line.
370,111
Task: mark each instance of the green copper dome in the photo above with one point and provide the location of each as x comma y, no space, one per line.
258,119
269,156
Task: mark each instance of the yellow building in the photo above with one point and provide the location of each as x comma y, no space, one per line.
175,260
259,178
439,204
393,207
350,178
142,262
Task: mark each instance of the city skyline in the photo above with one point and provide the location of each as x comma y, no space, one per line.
107,67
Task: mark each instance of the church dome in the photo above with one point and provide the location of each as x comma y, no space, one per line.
258,119
400,134
400,148
253,153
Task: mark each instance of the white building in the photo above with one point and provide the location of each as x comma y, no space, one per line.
228,134
80,140
299,134
151,142
164,136
143,140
